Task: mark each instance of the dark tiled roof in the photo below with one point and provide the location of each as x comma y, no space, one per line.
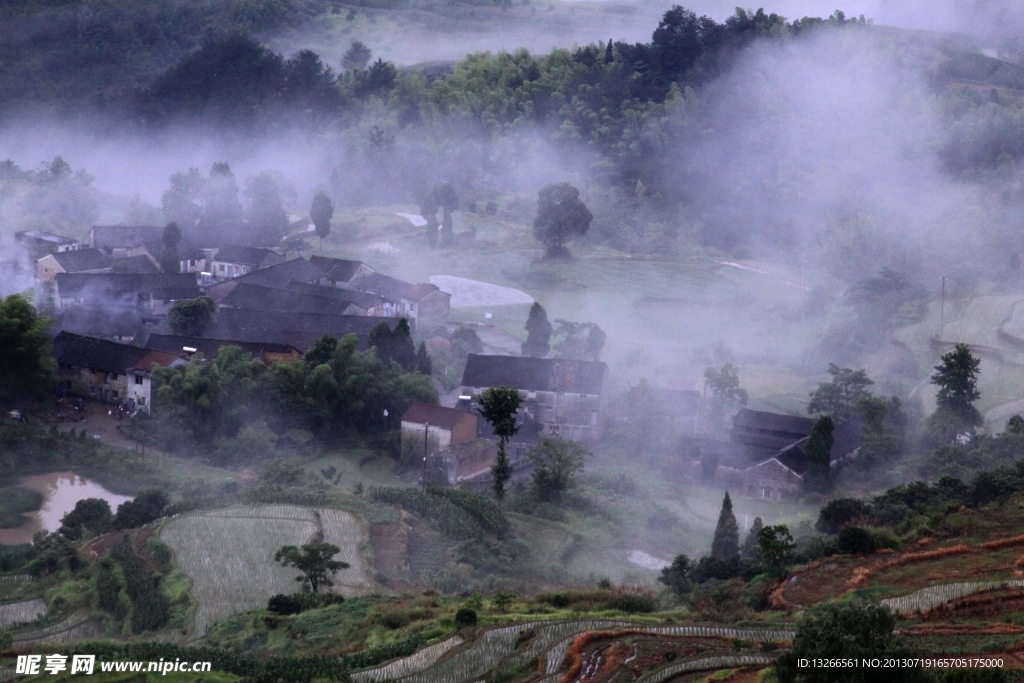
769,430
211,347
301,330
94,354
393,288
257,298
336,269
535,374
436,416
124,236
82,259
100,322
250,256
136,265
45,237
361,299
117,285
281,275
845,439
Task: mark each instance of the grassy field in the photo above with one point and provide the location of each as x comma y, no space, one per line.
229,554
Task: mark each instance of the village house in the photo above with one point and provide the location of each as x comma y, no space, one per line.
566,397
114,324
74,261
37,241
301,330
232,260
468,463
118,240
302,298
764,456
341,272
149,293
209,348
424,305
447,427
275,277
107,371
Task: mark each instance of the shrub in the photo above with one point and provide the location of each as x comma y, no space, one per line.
838,513
283,605
632,603
465,617
855,540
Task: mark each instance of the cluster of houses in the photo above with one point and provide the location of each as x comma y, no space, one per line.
111,298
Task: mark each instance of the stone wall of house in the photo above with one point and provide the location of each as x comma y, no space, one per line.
101,386
772,480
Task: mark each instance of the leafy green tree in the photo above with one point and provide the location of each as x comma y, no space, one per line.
855,540
1015,425
726,394
320,212
378,79
555,462
182,202
538,332
839,512
90,515
323,350
442,197
268,221
676,576
191,317
315,563
222,211
170,259
839,397
280,472
595,342
146,507
818,452
957,379
846,631
25,362
726,542
561,215
357,56
776,544
499,405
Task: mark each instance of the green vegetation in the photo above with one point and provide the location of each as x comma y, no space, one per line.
315,563
25,362
190,317
726,542
499,405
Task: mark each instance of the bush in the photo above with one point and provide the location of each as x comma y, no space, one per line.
632,603
839,512
297,603
283,605
446,517
854,540
465,617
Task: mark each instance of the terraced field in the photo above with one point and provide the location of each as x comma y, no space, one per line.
229,555
21,612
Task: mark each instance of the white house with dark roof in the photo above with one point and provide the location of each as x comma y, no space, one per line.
76,261
567,397
233,260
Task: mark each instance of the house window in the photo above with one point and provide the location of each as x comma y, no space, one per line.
138,379
114,394
766,493
142,400
220,267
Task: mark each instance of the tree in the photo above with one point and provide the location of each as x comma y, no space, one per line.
315,563
403,349
90,515
423,363
499,405
595,342
222,210
726,394
182,203
170,260
538,332
839,397
190,317
855,540
957,379
847,631
279,472
146,507
751,542
320,212
839,512
555,461
819,455
726,542
561,215
676,576
1015,425
267,218
775,543
442,197
357,56
25,362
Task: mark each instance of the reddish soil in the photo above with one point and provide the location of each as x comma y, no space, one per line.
819,581
390,543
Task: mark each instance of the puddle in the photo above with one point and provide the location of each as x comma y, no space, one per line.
642,559
61,491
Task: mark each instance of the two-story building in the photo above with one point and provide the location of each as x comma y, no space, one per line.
107,371
233,260
73,261
566,397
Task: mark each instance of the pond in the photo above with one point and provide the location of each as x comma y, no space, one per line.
60,492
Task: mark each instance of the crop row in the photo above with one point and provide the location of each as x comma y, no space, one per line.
445,516
21,612
343,530
400,668
484,510
475,661
230,557
73,627
933,596
703,664
262,511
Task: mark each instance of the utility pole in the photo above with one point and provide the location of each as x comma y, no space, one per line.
426,431
942,308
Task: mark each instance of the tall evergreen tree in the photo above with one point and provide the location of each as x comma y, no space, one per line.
403,349
170,260
499,405
538,330
320,212
819,455
726,543
424,365
751,541
380,339
957,379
